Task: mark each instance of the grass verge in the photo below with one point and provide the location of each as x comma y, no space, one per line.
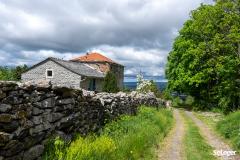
130,137
196,147
229,128
209,118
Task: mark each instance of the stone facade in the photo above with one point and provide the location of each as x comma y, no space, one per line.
105,67
61,76
85,84
31,114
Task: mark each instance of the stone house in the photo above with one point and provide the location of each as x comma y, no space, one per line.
86,72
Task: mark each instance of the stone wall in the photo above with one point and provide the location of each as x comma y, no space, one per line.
31,114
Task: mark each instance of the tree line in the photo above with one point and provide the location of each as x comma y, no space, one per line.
205,58
12,73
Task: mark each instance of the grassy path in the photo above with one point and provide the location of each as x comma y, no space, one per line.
191,139
195,146
213,140
171,148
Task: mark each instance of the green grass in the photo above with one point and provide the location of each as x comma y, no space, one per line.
129,138
229,128
209,118
195,147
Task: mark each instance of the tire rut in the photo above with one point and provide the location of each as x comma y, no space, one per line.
213,140
173,143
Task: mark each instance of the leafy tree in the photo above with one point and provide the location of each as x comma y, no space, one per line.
110,83
18,71
12,74
205,59
145,86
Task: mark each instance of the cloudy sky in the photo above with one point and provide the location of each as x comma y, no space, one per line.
135,33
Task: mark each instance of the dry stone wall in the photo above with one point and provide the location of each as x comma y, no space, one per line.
31,114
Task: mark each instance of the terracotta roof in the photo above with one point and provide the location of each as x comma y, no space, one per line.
93,57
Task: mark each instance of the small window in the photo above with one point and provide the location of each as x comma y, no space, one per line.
49,73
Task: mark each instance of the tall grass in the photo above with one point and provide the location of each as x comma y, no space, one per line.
130,137
229,127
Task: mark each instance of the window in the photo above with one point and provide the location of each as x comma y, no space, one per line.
49,73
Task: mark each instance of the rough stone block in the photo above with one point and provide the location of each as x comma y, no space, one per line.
4,138
47,103
33,152
40,128
5,108
36,111
10,127
6,118
53,117
12,148
65,101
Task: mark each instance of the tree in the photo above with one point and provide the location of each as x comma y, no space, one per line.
12,74
145,86
18,71
110,83
205,60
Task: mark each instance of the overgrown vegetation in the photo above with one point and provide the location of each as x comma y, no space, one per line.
130,137
229,127
209,118
205,59
12,74
186,103
110,83
195,147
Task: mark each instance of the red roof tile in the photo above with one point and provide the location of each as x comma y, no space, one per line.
93,57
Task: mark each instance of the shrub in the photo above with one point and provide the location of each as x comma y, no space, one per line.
229,127
126,90
177,102
110,83
189,101
145,86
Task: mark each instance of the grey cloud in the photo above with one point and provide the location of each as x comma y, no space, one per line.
71,27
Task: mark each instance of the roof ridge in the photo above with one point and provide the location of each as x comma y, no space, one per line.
94,57
58,61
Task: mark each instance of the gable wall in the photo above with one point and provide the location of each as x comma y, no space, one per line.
61,76
119,72
115,68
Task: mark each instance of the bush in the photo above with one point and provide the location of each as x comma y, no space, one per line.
145,86
177,102
110,84
189,101
126,90
130,137
229,127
